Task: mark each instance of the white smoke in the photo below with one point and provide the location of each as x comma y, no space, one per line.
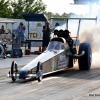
61,27
89,32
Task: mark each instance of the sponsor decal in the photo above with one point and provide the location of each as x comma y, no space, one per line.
53,64
62,61
33,34
35,25
39,25
32,25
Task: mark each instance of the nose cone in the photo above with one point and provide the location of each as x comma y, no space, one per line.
23,74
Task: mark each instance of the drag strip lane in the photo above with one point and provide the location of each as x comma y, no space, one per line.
70,84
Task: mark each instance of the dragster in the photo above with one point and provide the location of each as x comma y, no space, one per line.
61,53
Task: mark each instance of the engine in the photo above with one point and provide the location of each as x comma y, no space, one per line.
62,33
65,34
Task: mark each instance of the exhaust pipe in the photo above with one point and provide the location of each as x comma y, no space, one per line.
77,56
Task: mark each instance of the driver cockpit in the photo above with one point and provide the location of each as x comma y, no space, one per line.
55,45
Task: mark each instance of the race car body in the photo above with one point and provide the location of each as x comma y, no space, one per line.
61,53
54,58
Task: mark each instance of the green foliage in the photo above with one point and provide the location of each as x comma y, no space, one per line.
5,10
15,9
27,6
50,14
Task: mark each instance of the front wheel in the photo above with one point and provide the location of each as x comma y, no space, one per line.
4,57
39,72
14,70
86,59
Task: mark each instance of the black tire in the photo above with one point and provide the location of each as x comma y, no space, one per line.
14,70
85,61
39,72
20,54
4,57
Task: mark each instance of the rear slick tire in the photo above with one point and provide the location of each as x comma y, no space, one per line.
85,61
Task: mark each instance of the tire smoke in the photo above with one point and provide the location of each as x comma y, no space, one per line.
91,35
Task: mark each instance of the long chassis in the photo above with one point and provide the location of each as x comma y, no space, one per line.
47,62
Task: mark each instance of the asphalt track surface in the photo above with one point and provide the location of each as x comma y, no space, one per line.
70,84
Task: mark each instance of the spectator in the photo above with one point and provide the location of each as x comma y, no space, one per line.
46,35
20,31
57,24
2,31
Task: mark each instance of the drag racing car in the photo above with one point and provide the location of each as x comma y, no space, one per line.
61,53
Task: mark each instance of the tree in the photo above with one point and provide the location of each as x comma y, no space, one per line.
56,15
15,9
49,14
27,6
64,15
5,9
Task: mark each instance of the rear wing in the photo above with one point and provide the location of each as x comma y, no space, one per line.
67,19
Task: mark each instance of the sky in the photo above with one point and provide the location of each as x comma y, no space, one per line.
61,6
